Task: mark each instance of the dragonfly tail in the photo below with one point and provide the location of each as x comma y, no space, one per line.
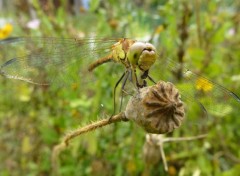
99,62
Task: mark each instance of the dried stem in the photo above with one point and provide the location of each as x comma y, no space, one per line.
198,21
183,36
163,157
175,140
159,140
184,138
95,125
157,109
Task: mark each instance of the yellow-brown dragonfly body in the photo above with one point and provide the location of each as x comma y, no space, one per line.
132,54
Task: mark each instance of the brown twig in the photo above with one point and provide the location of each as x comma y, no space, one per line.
163,157
159,140
184,138
198,21
183,28
95,125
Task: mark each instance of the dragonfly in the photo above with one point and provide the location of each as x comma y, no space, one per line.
47,61
52,54
132,54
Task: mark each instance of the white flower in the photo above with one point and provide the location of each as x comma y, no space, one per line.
33,24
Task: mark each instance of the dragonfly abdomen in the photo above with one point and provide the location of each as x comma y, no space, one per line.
99,62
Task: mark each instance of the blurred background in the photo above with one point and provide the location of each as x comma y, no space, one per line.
202,34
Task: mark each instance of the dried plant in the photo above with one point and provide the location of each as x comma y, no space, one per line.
157,109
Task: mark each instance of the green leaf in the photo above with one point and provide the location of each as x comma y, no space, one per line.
234,171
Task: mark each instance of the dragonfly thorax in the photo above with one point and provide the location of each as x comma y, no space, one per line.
120,50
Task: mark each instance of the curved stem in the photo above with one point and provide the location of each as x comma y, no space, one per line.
95,125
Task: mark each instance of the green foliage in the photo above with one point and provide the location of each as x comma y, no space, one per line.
33,118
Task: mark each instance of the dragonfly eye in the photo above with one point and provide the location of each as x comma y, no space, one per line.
141,54
135,56
134,52
147,57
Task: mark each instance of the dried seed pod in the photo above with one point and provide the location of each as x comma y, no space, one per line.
151,149
158,109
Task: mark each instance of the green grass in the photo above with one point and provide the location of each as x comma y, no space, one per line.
34,119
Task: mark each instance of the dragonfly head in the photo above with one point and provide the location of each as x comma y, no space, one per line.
142,55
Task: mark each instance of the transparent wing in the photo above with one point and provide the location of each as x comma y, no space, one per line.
50,60
198,92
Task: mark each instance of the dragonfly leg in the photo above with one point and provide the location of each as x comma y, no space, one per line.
136,79
151,79
144,76
114,93
122,89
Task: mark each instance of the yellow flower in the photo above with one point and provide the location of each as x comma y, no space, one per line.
6,31
204,85
159,29
131,167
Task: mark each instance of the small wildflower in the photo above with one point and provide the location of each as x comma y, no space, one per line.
33,24
113,23
82,9
74,86
230,33
204,85
131,167
159,29
5,31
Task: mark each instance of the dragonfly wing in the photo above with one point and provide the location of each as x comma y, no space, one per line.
48,60
214,98
203,97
